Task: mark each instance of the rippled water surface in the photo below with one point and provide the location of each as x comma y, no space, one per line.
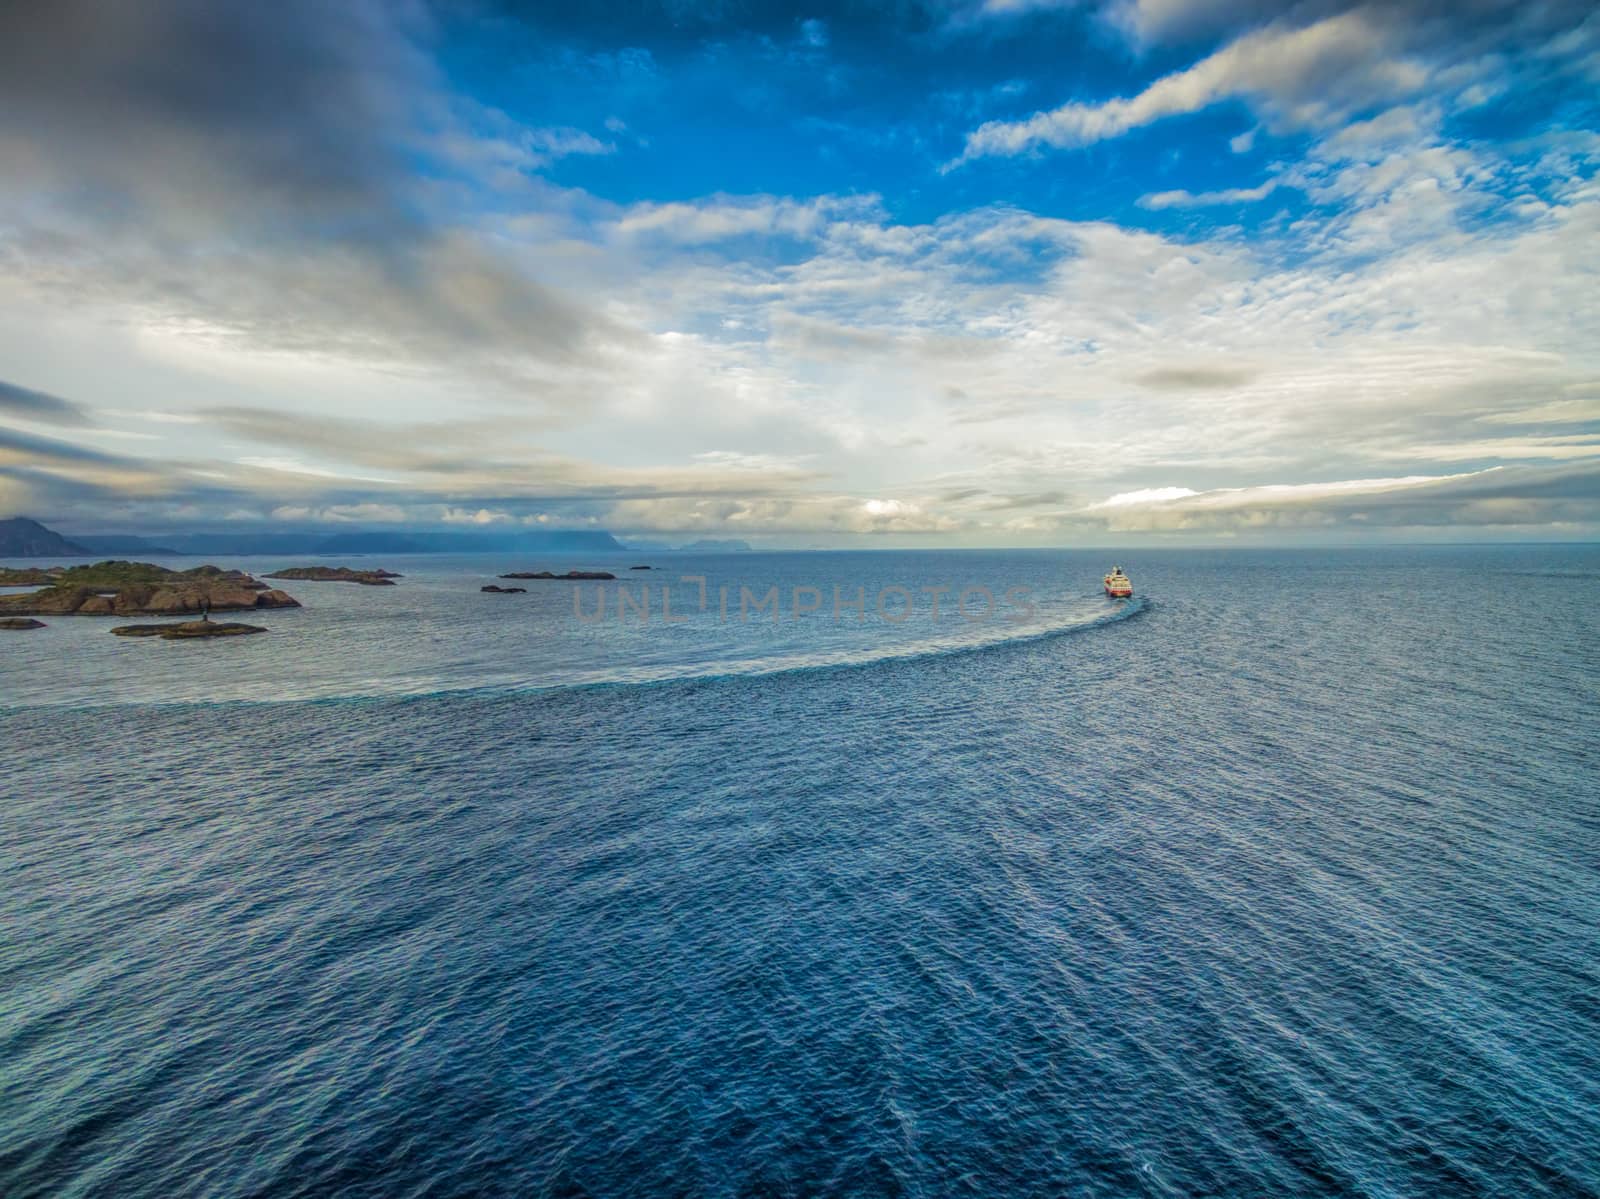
1282,879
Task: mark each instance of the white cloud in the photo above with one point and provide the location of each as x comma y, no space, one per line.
1232,195
813,514
366,513
482,516
989,374
1146,21
1012,7
1518,497
292,466
729,217
1145,495
1576,446
1577,410
1298,77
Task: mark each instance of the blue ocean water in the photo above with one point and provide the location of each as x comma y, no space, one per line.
1283,878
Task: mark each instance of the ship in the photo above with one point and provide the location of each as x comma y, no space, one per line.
1117,584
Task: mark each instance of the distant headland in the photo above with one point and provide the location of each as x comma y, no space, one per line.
712,545
24,537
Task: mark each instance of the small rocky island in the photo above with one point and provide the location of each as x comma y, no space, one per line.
498,590
21,622
338,574
188,630
29,576
571,574
117,588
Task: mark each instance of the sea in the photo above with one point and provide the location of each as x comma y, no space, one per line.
755,875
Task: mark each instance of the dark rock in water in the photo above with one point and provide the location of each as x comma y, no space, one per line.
641,568
505,590
21,622
187,630
210,628
338,574
571,574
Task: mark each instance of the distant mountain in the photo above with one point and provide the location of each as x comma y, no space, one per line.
588,540
511,541
24,538
243,542
121,545
318,542
708,545
370,543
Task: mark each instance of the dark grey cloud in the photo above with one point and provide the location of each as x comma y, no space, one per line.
667,25
1037,499
271,173
1196,377
1508,496
294,107
1513,496
1498,418
314,464
16,445
25,402
1578,481
434,447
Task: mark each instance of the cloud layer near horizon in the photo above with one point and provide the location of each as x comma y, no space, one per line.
294,266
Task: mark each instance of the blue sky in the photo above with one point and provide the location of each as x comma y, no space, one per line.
976,273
